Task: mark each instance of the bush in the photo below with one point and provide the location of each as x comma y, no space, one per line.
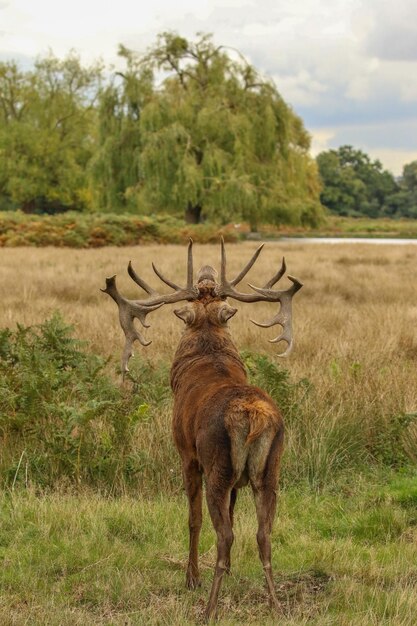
81,230
62,419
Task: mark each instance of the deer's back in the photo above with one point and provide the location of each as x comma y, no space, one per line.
218,417
227,423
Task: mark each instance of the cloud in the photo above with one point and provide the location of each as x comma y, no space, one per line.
387,142
393,34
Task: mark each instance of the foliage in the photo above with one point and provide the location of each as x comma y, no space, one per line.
353,184
62,418
47,133
213,140
363,227
404,201
265,373
319,448
188,128
219,141
116,174
92,230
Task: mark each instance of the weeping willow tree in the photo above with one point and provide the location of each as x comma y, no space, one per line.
115,172
219,141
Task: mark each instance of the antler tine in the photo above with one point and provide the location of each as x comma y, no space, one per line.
266,294
189,271
284,315
128,310
276,277
139,281
226,287
165,280
245,270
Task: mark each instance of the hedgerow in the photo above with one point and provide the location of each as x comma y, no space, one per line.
90,230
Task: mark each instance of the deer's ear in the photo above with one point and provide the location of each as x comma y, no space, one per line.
225,313
186,314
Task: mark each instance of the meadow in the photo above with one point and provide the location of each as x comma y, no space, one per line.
80,548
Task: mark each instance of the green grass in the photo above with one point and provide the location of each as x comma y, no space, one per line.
345,556
364,227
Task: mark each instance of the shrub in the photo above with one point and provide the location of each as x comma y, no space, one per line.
61,416
81,230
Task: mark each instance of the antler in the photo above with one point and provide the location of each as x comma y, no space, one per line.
129,309
265,293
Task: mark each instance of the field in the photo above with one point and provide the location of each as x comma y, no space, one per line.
345,538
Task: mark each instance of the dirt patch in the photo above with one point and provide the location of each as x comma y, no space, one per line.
300,595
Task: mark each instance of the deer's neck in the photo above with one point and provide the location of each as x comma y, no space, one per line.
206,356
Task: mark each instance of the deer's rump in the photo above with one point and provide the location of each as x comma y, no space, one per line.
237,428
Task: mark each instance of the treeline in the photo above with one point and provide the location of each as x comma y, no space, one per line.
353,185
188,129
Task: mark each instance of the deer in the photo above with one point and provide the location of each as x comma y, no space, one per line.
226,431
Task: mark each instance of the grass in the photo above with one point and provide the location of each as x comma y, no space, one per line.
354,323
335,226
345,536
341,557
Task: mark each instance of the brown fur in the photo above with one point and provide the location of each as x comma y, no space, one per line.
225,429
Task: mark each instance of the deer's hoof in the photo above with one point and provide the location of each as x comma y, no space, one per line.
192,581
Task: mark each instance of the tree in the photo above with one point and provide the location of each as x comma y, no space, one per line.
353,184
218,141
115,167
403,203
47,133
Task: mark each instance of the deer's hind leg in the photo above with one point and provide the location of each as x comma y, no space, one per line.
193,485
220,505
264,478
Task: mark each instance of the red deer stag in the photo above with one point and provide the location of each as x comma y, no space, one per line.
225,429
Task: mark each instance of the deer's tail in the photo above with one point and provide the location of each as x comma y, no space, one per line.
251,419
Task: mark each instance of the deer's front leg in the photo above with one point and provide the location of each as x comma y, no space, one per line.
193,485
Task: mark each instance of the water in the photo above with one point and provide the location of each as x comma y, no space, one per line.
337,240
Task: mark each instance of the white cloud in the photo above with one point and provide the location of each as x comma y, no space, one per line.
393,30
301,88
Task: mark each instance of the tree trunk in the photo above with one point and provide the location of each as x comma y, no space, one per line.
28,206
253,223
193,214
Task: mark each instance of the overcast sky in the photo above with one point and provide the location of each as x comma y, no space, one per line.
348,67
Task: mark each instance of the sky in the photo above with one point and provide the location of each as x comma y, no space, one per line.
347,67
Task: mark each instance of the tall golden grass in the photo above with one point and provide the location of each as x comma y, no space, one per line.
355,323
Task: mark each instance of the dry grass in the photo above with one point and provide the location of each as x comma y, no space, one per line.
355,319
